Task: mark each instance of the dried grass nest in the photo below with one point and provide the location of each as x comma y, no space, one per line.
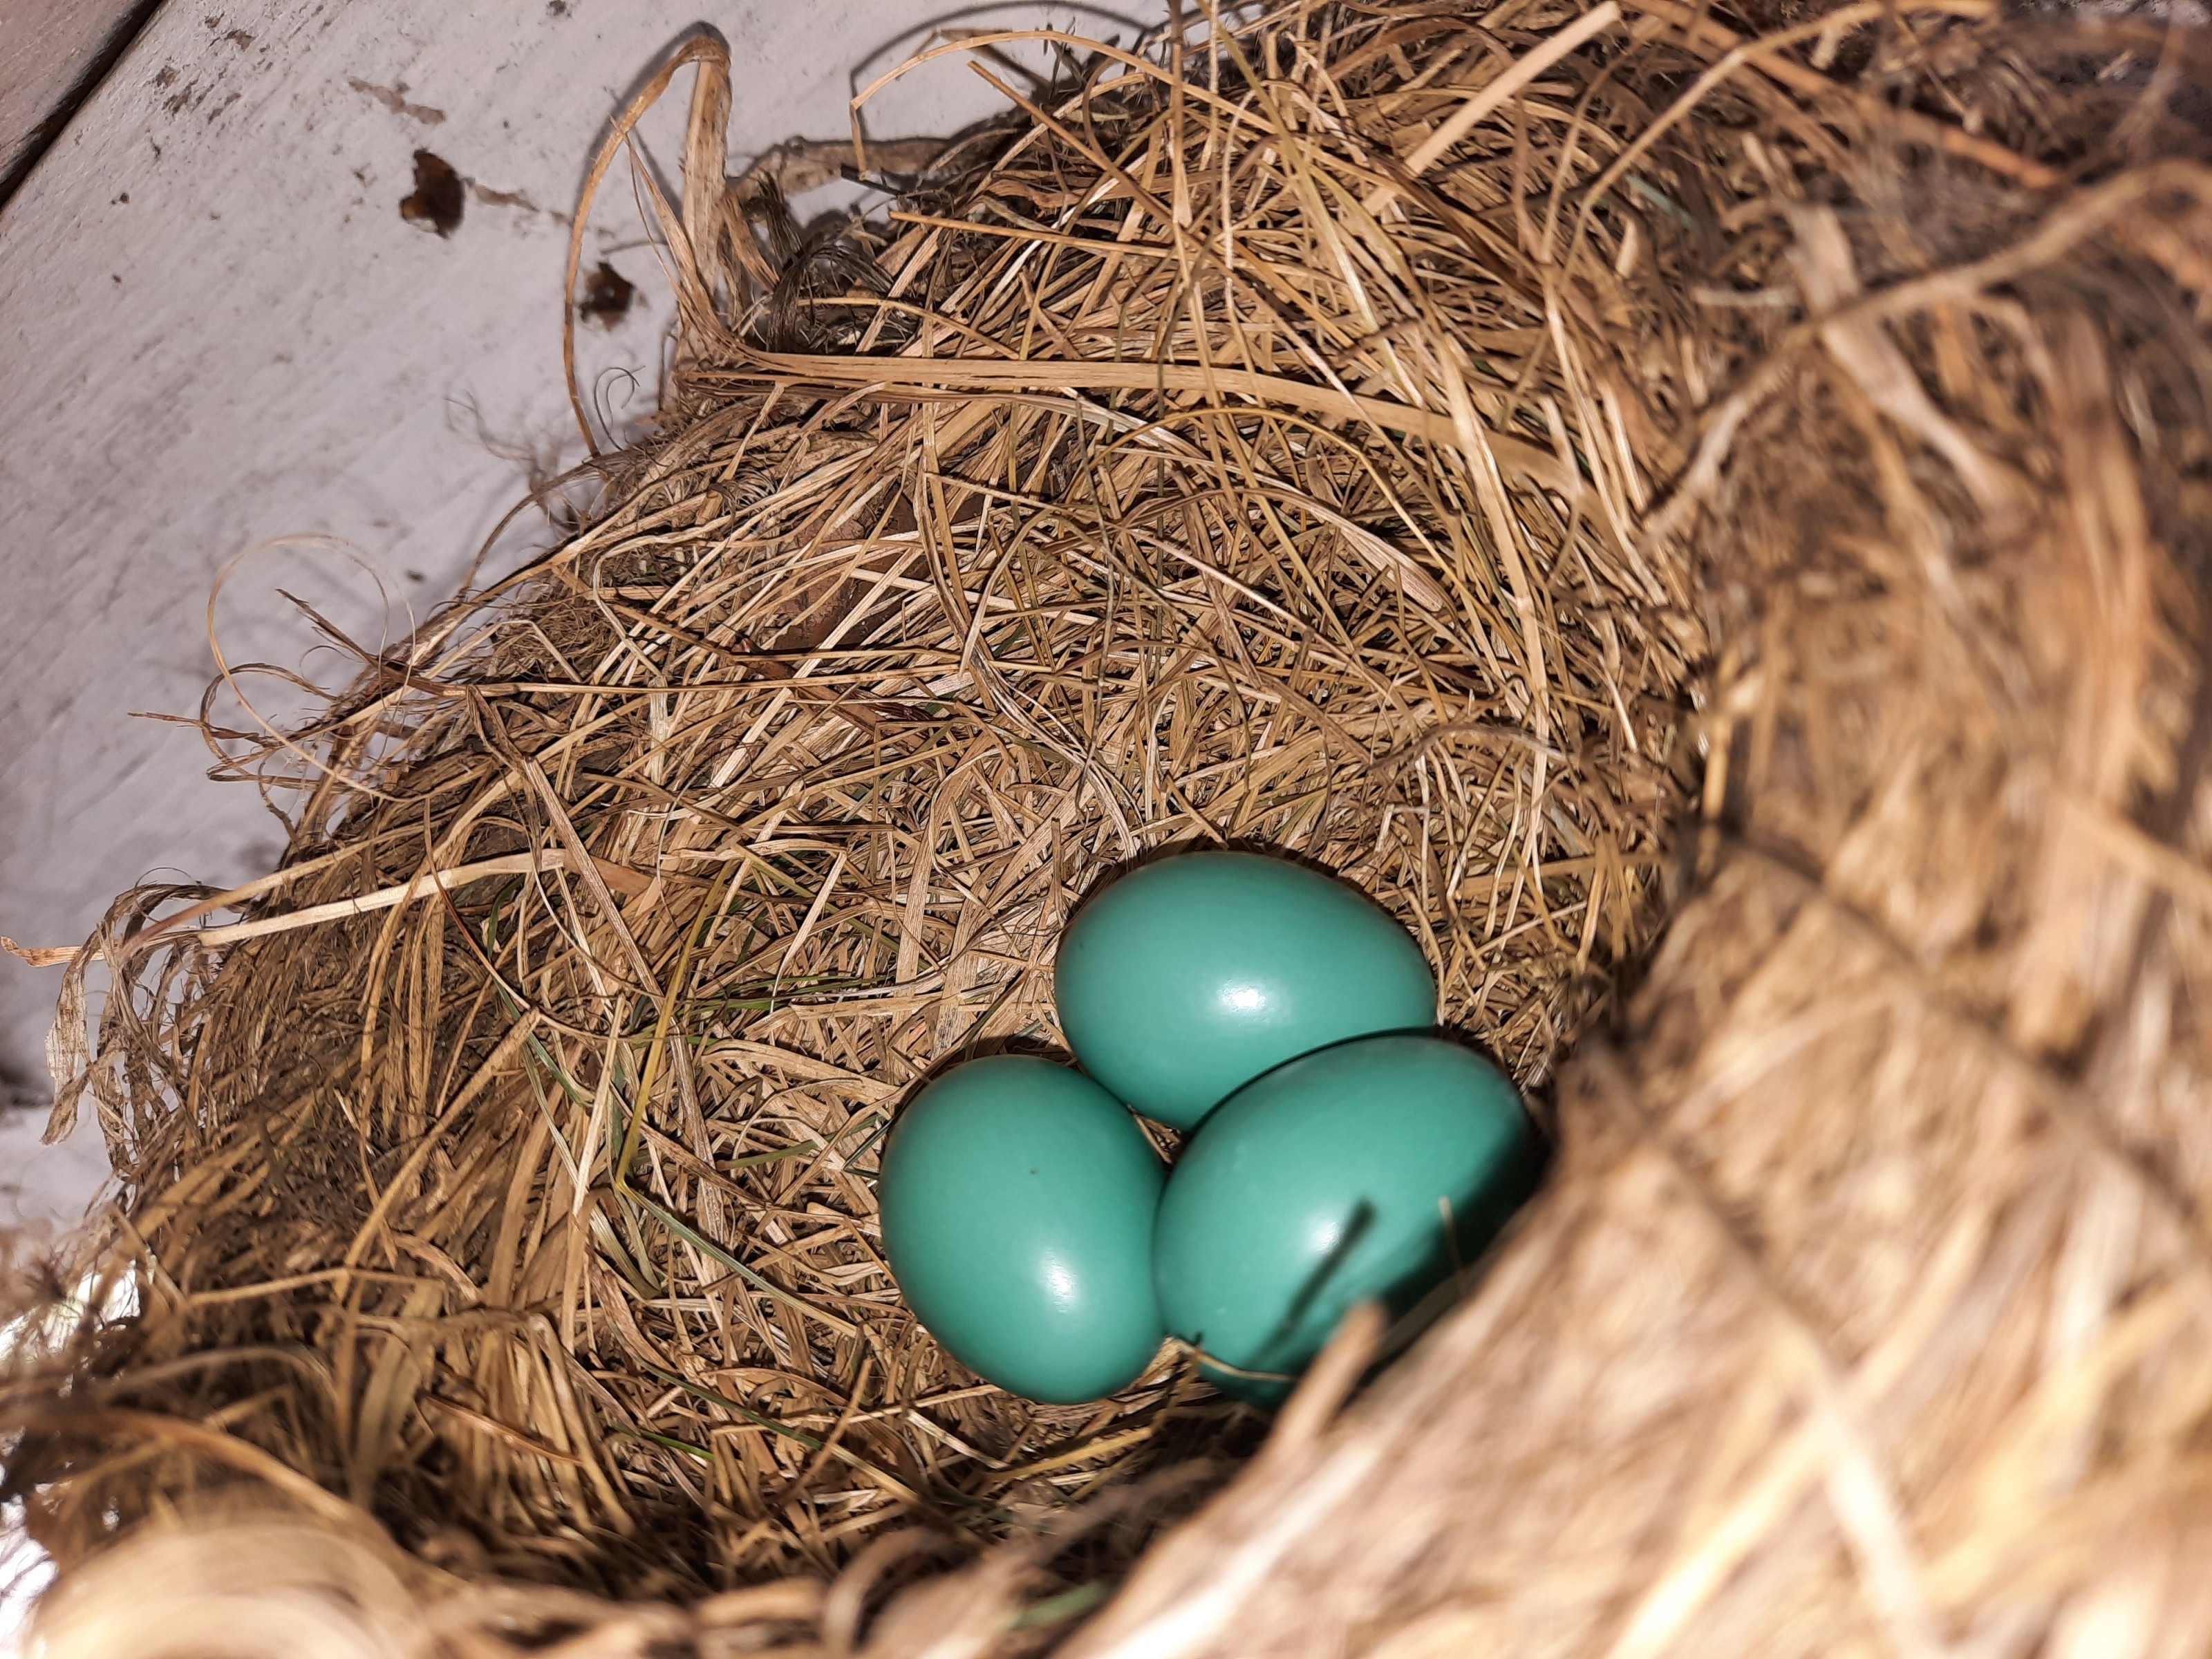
1570,471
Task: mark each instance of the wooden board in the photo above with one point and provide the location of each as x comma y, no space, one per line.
218,329
46,48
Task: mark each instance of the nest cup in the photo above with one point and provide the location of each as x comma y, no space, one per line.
1566,472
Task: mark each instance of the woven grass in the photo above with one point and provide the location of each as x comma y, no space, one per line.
1567,472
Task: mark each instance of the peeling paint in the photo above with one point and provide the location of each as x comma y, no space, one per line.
394,97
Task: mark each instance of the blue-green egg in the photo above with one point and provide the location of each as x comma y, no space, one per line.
1369,1170
1017,1200
1188,977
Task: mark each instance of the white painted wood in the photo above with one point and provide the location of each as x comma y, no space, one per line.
215,329
46,46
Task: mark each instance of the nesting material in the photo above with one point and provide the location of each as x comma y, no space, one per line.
773,787
1545,465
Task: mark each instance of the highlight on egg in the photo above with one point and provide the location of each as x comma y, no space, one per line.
1016,1200
1190,975
1371,1169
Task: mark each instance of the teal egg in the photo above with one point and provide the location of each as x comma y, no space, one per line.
1188,977
1016,1200
1324,1184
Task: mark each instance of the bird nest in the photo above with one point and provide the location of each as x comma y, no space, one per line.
1561,470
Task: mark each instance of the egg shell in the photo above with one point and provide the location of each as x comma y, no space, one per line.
1188,977
1016,1200
1323,1184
